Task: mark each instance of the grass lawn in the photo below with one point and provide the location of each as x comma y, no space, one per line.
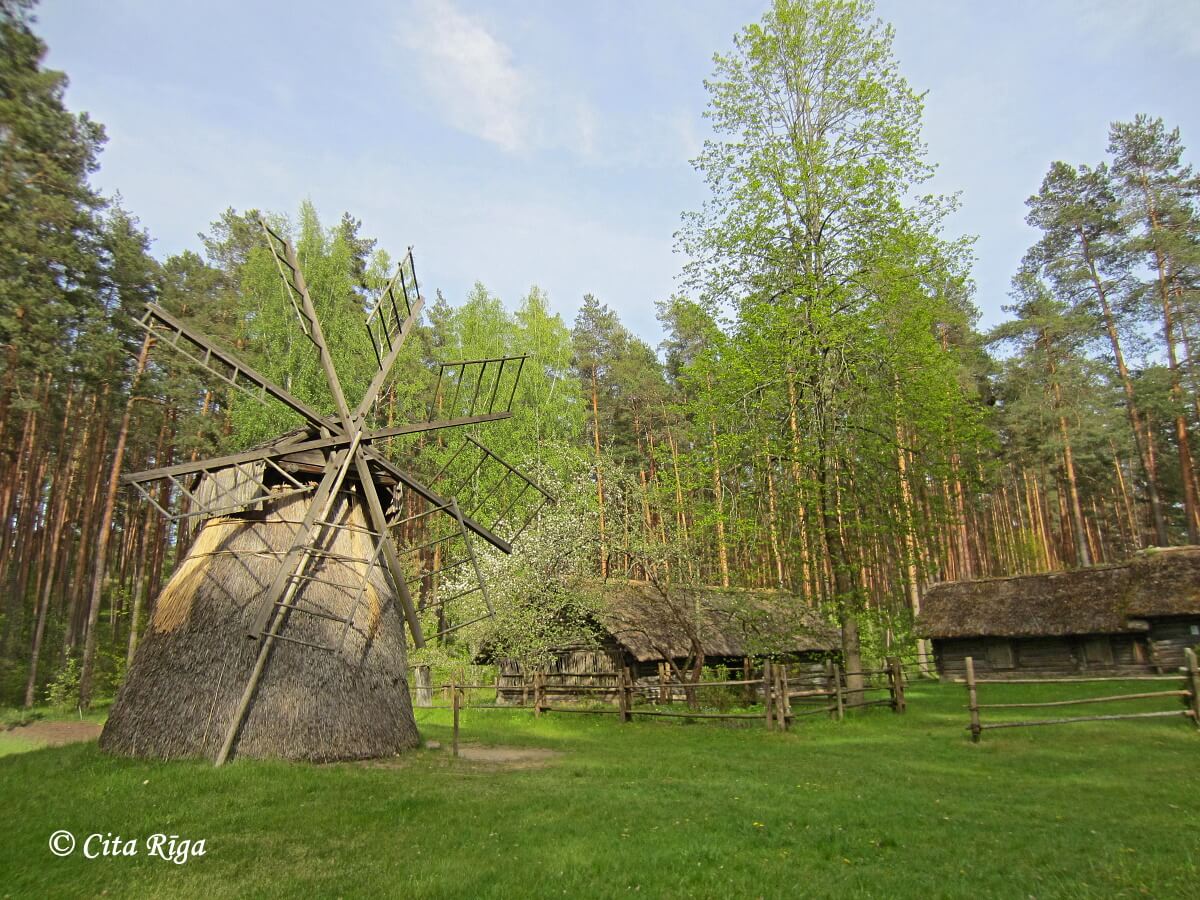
880,806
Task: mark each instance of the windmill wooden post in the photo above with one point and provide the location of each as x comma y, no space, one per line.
340,491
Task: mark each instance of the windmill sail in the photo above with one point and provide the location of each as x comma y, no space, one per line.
316,578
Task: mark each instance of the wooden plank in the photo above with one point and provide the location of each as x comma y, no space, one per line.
1068,719
1111,699
1070,680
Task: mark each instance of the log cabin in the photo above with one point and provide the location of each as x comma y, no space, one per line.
655,634
1117,619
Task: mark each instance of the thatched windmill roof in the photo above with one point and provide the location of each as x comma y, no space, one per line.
1109,599
730,621
195,658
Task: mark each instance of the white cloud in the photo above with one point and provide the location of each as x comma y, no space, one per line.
469,77
469,73
1167,24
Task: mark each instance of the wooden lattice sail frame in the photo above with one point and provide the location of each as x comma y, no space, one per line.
335,456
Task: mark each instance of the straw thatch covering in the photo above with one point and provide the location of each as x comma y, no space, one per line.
1112,599
312,704
637,627
731,622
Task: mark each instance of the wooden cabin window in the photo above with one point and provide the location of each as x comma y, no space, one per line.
1097,650
1000,654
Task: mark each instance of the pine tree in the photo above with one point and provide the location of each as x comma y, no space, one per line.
1158,195
1084,252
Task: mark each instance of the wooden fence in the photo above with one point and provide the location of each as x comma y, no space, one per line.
782,700
1188,693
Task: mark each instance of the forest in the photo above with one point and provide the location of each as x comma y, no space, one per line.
824,415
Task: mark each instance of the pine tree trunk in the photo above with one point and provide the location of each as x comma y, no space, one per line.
1131,410
88,664
61,494
1187,474
81,559
1082,554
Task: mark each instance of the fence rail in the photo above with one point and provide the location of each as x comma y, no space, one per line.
1189,693
776,690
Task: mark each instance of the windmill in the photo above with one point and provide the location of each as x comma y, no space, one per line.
305,541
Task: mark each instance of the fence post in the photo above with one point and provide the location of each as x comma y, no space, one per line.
747,675
767,692
973,701
840,708
896,684
664,683
1193,673
785,702
423,682
538,694
454,702
777,701
626,695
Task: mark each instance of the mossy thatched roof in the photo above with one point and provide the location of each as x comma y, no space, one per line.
653,625
1109,599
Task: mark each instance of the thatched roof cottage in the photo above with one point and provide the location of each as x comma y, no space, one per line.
640,628
1104,619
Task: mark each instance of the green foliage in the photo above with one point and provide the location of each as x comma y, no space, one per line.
846,309
540,593
63,690
48,229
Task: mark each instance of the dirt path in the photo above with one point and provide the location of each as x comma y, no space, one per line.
482,759
509,757
55,734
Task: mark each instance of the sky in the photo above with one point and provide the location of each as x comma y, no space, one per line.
548,142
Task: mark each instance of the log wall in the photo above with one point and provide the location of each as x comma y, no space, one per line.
998,657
